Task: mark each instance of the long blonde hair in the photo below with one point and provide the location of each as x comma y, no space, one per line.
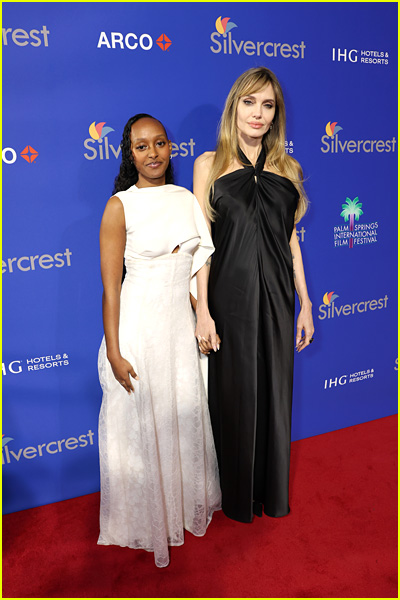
249,82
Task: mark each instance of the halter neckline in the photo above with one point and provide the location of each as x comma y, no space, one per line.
259,166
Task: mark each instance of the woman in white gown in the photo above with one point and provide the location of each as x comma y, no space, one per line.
158,465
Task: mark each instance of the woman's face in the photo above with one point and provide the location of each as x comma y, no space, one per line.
255,113
151,150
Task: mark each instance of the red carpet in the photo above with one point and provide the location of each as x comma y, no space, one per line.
340,540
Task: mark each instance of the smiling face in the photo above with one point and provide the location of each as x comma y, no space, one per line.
151,150
255,113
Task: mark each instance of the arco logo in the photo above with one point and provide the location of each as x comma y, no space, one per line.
332,128
132,41
163,42
29,154
9,155
98,131
223,26
329,298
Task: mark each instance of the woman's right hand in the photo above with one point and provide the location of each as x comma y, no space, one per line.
123,370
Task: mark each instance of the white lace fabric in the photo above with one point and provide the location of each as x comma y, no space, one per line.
158,466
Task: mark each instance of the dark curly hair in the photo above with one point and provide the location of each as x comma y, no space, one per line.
128,174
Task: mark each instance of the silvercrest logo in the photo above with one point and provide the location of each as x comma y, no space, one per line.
224,42
21,37
104,151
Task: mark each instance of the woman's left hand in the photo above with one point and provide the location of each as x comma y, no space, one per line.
304,323
205,333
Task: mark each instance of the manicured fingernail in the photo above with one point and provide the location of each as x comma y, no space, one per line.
217,346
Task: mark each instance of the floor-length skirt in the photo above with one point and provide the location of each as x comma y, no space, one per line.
158,464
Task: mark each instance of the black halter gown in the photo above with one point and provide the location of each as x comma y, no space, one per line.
251,298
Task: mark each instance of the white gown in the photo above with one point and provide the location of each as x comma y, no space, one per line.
158,465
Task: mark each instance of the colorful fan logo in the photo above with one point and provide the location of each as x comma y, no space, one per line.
6,440
329,298
29,154
332,128
98,131
164,42
222,25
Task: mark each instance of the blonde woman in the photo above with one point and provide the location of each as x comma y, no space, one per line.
252,194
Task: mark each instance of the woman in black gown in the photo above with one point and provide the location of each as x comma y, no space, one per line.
252,193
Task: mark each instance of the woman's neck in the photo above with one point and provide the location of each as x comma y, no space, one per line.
251,147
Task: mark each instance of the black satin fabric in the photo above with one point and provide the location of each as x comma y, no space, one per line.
251,298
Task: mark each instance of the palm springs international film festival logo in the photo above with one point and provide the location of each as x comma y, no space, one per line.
99,146
351,233
223,41
329,310
332,144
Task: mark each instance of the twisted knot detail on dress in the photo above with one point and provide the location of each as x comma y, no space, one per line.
259,166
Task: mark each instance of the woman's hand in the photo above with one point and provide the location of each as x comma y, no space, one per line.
304,322
206,334
122,370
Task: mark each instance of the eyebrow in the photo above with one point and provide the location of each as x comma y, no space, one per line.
144,139
266,99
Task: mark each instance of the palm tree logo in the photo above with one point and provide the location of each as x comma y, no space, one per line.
351,210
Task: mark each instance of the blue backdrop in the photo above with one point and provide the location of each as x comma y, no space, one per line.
67,66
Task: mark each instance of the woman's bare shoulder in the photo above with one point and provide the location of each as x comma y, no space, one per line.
203,163
114,210
114,205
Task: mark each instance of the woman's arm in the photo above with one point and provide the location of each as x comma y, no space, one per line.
304,320
201,170
205,328
112,245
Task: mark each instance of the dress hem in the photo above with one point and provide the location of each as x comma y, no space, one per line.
242,520
172,544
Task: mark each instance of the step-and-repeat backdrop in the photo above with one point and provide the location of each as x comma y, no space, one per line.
73,73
